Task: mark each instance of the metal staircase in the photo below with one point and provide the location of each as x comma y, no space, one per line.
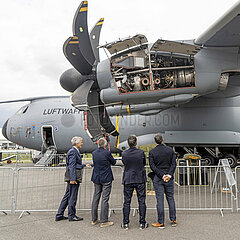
47,157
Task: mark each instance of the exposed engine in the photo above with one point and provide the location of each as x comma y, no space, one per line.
140,70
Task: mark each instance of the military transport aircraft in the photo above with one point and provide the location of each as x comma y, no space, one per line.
187,90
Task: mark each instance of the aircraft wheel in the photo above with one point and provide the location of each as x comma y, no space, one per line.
209,160
35,160
232,160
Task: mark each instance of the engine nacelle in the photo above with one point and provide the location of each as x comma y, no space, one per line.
138,73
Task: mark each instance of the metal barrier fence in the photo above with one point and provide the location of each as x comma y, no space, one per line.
41,189
237,174
6,189
196,189
87,190
29,189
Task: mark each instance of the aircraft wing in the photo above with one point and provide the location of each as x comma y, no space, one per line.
31,99
225,32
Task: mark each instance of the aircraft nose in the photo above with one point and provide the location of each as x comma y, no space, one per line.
4,130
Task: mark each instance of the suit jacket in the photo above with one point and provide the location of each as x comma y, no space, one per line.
162,160
102,161
134,161
73,161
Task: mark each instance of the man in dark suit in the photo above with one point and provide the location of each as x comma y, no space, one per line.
134,177
102,178
73,162
162,161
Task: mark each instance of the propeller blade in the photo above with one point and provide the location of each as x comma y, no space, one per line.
80,29
79,98
75,57
94,38
98,121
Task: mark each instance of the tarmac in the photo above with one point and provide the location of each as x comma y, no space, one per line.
191,225
41,225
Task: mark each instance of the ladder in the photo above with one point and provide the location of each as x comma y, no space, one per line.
47,157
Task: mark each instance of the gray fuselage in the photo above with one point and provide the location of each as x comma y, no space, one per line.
203,121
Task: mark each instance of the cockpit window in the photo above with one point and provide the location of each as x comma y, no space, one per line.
23,110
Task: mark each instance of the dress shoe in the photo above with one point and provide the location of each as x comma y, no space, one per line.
125,226
142,226
174,223
60,218
76,219
106,224
158,225
95,222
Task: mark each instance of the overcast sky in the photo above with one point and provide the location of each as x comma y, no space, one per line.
32,33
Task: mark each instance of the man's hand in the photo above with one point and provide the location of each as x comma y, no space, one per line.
166,178
73,182
88,165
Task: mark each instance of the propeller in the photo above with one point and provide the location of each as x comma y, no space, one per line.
82,52
75,57
94,38
80,29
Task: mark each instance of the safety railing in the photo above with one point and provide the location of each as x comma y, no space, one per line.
196,188
30,189
41,189
6,190
87,190
237,174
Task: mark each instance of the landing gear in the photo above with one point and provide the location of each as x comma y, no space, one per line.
232,160
209,160
210,155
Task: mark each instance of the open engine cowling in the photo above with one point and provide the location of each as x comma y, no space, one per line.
143,73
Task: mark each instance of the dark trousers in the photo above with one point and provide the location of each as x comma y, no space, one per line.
70,200
162,187
141,195
103,189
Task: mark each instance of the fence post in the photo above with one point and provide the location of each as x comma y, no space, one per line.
236,187
13,200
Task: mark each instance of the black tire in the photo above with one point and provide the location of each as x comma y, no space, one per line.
232,160
208,160
35,160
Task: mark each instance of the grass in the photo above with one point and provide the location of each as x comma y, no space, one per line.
21,156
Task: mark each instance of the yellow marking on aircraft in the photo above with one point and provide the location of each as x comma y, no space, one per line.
85,2
75,38
99,23
73,42
101,19
117,128
84,9
128,110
